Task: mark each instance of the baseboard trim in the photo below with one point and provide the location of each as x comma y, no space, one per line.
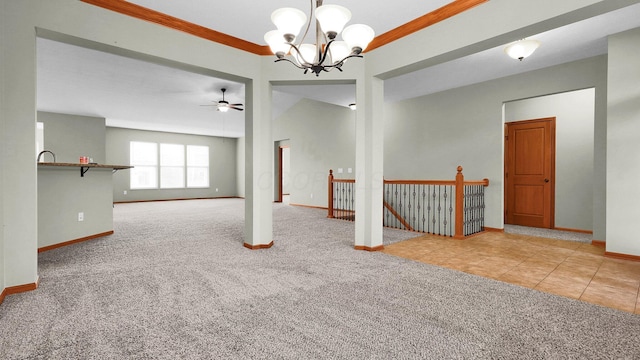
600,243
258,247
178,199
490,229
614,255
367,248
18,289
75,241
574,230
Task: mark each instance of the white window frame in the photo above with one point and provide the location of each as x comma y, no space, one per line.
172,160
143,164
198,163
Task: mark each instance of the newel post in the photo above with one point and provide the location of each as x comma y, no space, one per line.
459,204
330,195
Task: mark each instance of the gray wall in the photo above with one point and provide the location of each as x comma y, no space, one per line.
222,159
62,193
240,155
321,137
574,113
72,136
427,137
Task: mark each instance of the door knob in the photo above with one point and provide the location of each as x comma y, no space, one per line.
546,180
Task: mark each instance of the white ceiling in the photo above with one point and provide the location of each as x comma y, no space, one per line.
137,94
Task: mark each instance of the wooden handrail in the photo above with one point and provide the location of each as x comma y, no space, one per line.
345,180
421,182
483,182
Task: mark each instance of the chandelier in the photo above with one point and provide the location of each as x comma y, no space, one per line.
327,53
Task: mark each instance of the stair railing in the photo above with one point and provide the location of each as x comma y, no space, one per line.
453,208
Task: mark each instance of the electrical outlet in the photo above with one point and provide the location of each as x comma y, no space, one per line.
80,216
216,189
125,192
312,196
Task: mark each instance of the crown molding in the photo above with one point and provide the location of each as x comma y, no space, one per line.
142,13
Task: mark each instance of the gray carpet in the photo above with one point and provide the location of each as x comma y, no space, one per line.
174,282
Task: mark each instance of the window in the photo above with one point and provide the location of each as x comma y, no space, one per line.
144,159
197,166
171,166
164,165
39,137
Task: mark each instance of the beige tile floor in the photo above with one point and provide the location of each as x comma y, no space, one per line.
567,268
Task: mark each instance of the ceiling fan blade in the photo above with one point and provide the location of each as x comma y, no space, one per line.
236,104
235,108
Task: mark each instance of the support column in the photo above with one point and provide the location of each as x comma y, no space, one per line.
258,228
369,164
623,127
18,173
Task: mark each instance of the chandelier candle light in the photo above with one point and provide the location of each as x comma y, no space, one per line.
327,53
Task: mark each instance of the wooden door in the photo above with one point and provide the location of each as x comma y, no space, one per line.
530,173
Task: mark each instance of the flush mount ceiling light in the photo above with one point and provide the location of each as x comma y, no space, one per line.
352,106
327,53
521,48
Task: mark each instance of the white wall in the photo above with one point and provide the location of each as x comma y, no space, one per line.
623,143
574,112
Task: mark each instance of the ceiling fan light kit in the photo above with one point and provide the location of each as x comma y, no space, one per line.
224,106
522,48
327,53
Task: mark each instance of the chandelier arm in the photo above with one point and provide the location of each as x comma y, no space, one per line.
326,51
339,64
294,64
301,57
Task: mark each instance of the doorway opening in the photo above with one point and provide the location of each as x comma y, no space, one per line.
284,170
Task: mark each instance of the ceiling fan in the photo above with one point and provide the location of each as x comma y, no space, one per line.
224,105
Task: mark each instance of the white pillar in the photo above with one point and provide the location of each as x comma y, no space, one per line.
258,228
369,164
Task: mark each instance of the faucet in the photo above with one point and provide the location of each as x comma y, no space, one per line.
46,151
